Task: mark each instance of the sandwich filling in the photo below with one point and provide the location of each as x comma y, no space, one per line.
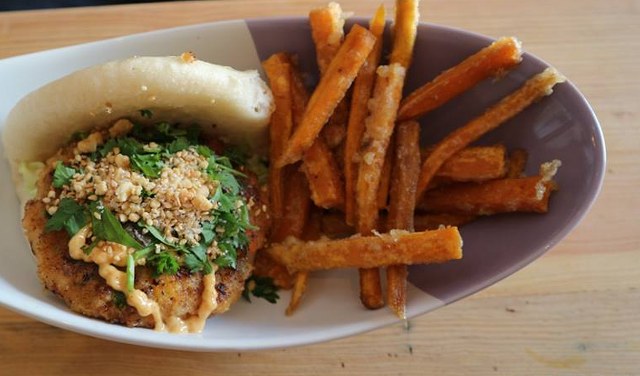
154,197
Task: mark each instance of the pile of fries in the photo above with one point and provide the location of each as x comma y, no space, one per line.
350,186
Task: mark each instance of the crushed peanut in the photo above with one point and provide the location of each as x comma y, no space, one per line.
176,202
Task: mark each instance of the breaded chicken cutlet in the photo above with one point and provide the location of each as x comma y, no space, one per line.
157,219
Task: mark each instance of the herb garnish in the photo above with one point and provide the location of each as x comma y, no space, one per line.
62,175
225,231
107,227
195,258
70,216
163,263
260,287
119,299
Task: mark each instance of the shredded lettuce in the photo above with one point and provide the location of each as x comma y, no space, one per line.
29,172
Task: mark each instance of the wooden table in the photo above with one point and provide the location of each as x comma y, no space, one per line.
572,312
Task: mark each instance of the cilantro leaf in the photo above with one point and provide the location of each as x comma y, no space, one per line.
159,236
149,164
204,151
70,216
261,287
236,155
62,175
107,147
109,228
119,299
178,144
228,181
163,263
164,132
197,260
127,145
207,232
228,257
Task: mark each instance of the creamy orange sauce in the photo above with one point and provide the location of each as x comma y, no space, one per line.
109,254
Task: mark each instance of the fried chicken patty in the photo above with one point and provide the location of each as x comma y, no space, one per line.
79,284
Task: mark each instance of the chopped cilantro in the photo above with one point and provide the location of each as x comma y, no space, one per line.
261,287
229,220
127,145
62,175
119,299
158,236
109,228
144,194
204,151
163,263
88,248
79,135
228,257
180,143
207,232
149,164
197,260
236,155
164,132
70,216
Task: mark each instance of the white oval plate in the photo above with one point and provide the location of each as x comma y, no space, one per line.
331,308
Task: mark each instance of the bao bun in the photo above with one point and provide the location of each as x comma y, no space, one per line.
233,105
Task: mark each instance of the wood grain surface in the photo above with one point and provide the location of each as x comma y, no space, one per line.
572,312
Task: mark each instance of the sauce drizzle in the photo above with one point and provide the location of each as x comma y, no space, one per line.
108,254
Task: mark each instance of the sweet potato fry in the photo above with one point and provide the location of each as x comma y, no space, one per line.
362,88
329,92
405,29
299,95
300,283
530,194
397,289
517,163
534,89
493,60
370,288
397,247
335,227
296,208
311,232
385,176
327,31
278,70
476,164
323,174
335,130
379,128
319,163
406,167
